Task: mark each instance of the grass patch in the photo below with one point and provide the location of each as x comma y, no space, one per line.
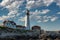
2,27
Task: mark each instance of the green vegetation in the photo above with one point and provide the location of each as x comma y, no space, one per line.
11,29
21,31
1,27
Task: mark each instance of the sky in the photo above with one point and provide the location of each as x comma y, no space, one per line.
44,13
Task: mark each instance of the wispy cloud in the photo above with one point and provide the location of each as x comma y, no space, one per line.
23,19
57,2
58,13
47,2
48,18
37,3
12,6
35,15
45,11
36,12
6,17
54,18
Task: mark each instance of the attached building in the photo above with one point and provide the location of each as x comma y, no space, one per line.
20,27
36,28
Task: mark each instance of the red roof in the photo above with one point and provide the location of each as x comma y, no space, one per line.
35,27
12,22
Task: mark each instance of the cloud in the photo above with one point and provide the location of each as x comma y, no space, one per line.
58,13
45,11
47,2
50,18
15,5
37,12
35,15
47,18
30,4
12,6
23,19
37,3
12,13
44,19
39,21
57,2
9,2
5,2
54,18
6,17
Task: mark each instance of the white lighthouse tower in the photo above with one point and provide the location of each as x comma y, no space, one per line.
27,21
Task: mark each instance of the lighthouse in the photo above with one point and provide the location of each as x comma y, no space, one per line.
27,21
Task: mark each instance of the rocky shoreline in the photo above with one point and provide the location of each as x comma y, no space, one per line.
19,38
15,34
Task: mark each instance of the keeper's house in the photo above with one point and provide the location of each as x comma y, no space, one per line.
9,24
